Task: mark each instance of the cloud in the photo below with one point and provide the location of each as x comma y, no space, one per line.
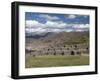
35,27
73,16
35,30
81,26
51,24
48,17
33,24
48,24
70,16
85,16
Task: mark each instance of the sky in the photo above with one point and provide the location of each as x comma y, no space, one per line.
37,23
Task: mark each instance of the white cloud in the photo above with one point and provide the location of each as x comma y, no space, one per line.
85,16
35,30
49,24
71,16
81,26
48,17
52,24
69,30
33,24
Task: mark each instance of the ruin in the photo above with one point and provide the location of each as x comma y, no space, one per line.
61,50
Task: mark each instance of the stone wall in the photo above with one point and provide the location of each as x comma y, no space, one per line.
62,50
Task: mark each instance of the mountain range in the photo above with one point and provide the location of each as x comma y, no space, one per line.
60,38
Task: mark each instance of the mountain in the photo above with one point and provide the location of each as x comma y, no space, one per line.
38,36
61,38
69,38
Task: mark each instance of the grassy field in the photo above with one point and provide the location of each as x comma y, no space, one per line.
54,61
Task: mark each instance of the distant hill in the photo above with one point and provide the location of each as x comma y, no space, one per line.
38,36
72,37
61,38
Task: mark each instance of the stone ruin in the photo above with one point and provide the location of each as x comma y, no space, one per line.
61,50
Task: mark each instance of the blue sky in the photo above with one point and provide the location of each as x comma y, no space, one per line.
49,22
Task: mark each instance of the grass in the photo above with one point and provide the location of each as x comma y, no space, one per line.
54,61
